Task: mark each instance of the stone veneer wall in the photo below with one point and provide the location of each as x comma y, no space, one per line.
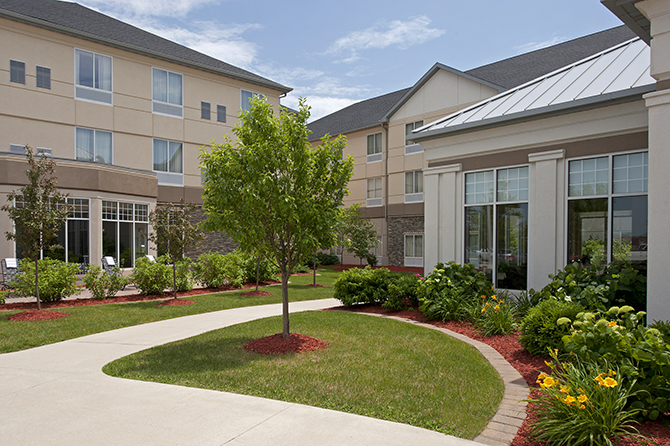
214,241
398,227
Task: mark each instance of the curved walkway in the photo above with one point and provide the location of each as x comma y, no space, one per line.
57,395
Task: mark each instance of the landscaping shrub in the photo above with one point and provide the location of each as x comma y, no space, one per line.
183,272
539,329
402,290
449,289
57,279
523,302
362,285
618,336
324,258
214,270
664,328
102,284
267,272
300,269
3,296
583,404
151,277
495,316
618,284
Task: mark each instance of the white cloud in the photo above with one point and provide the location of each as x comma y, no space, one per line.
320,105
396,33
166,8
532,46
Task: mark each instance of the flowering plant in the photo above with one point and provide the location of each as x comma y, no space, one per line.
494,315
582,404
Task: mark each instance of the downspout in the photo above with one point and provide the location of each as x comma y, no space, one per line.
385,125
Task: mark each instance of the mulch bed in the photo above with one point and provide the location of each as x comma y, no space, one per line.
122,299
528,366
37,315
278,345
175,302
395,269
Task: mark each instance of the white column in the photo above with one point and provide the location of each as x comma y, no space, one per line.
441,213
95,221
658,103
545,227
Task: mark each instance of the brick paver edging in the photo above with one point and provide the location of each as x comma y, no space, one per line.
505,424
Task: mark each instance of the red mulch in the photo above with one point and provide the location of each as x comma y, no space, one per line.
255,293
317,285
121,299
174,302
395,269
37,315
528,366
276,344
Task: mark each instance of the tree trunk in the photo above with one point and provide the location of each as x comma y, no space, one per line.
37,285
314,281
284,301
174,277
258,271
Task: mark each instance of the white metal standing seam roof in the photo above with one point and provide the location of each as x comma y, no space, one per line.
608,75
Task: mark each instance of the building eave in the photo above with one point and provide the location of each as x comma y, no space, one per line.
631,17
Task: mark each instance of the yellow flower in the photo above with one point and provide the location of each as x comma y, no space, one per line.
494,297
611,373
540,377
488,304
611,324
582,407
548,382
497,308
549,364
609,382
483,310
565,389
599,380
483,297
569,399
582,398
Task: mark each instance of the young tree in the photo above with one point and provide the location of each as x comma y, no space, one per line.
271,191
38,211
358,233
173,228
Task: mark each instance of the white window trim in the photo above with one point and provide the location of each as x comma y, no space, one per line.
111,162
153,101
376,201
609,196
414,261
111,92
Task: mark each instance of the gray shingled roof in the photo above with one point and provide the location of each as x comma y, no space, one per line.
357,116
507,73
82,22
512,72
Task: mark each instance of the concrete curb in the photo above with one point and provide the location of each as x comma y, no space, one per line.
511,413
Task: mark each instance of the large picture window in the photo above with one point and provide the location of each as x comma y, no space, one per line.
167,92
496,225
93,76
607,209
125,227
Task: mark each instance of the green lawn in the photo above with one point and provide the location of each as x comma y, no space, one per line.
87,320
374,366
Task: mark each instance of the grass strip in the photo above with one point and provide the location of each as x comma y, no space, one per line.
86,320
376,367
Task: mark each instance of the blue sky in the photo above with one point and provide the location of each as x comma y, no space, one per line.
337,53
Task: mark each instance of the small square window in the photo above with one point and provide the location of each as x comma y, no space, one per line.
43,77
205,110
221,113
17,71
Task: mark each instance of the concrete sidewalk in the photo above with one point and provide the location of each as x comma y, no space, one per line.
57,395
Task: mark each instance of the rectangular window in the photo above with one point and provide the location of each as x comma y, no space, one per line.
245,99
414,250
73,237
609,225
374,192
93,77
43,77
414,187
167,93
221,113
410,146
124,231
93,145
374,147
205,110
496,231
168,162
17,71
